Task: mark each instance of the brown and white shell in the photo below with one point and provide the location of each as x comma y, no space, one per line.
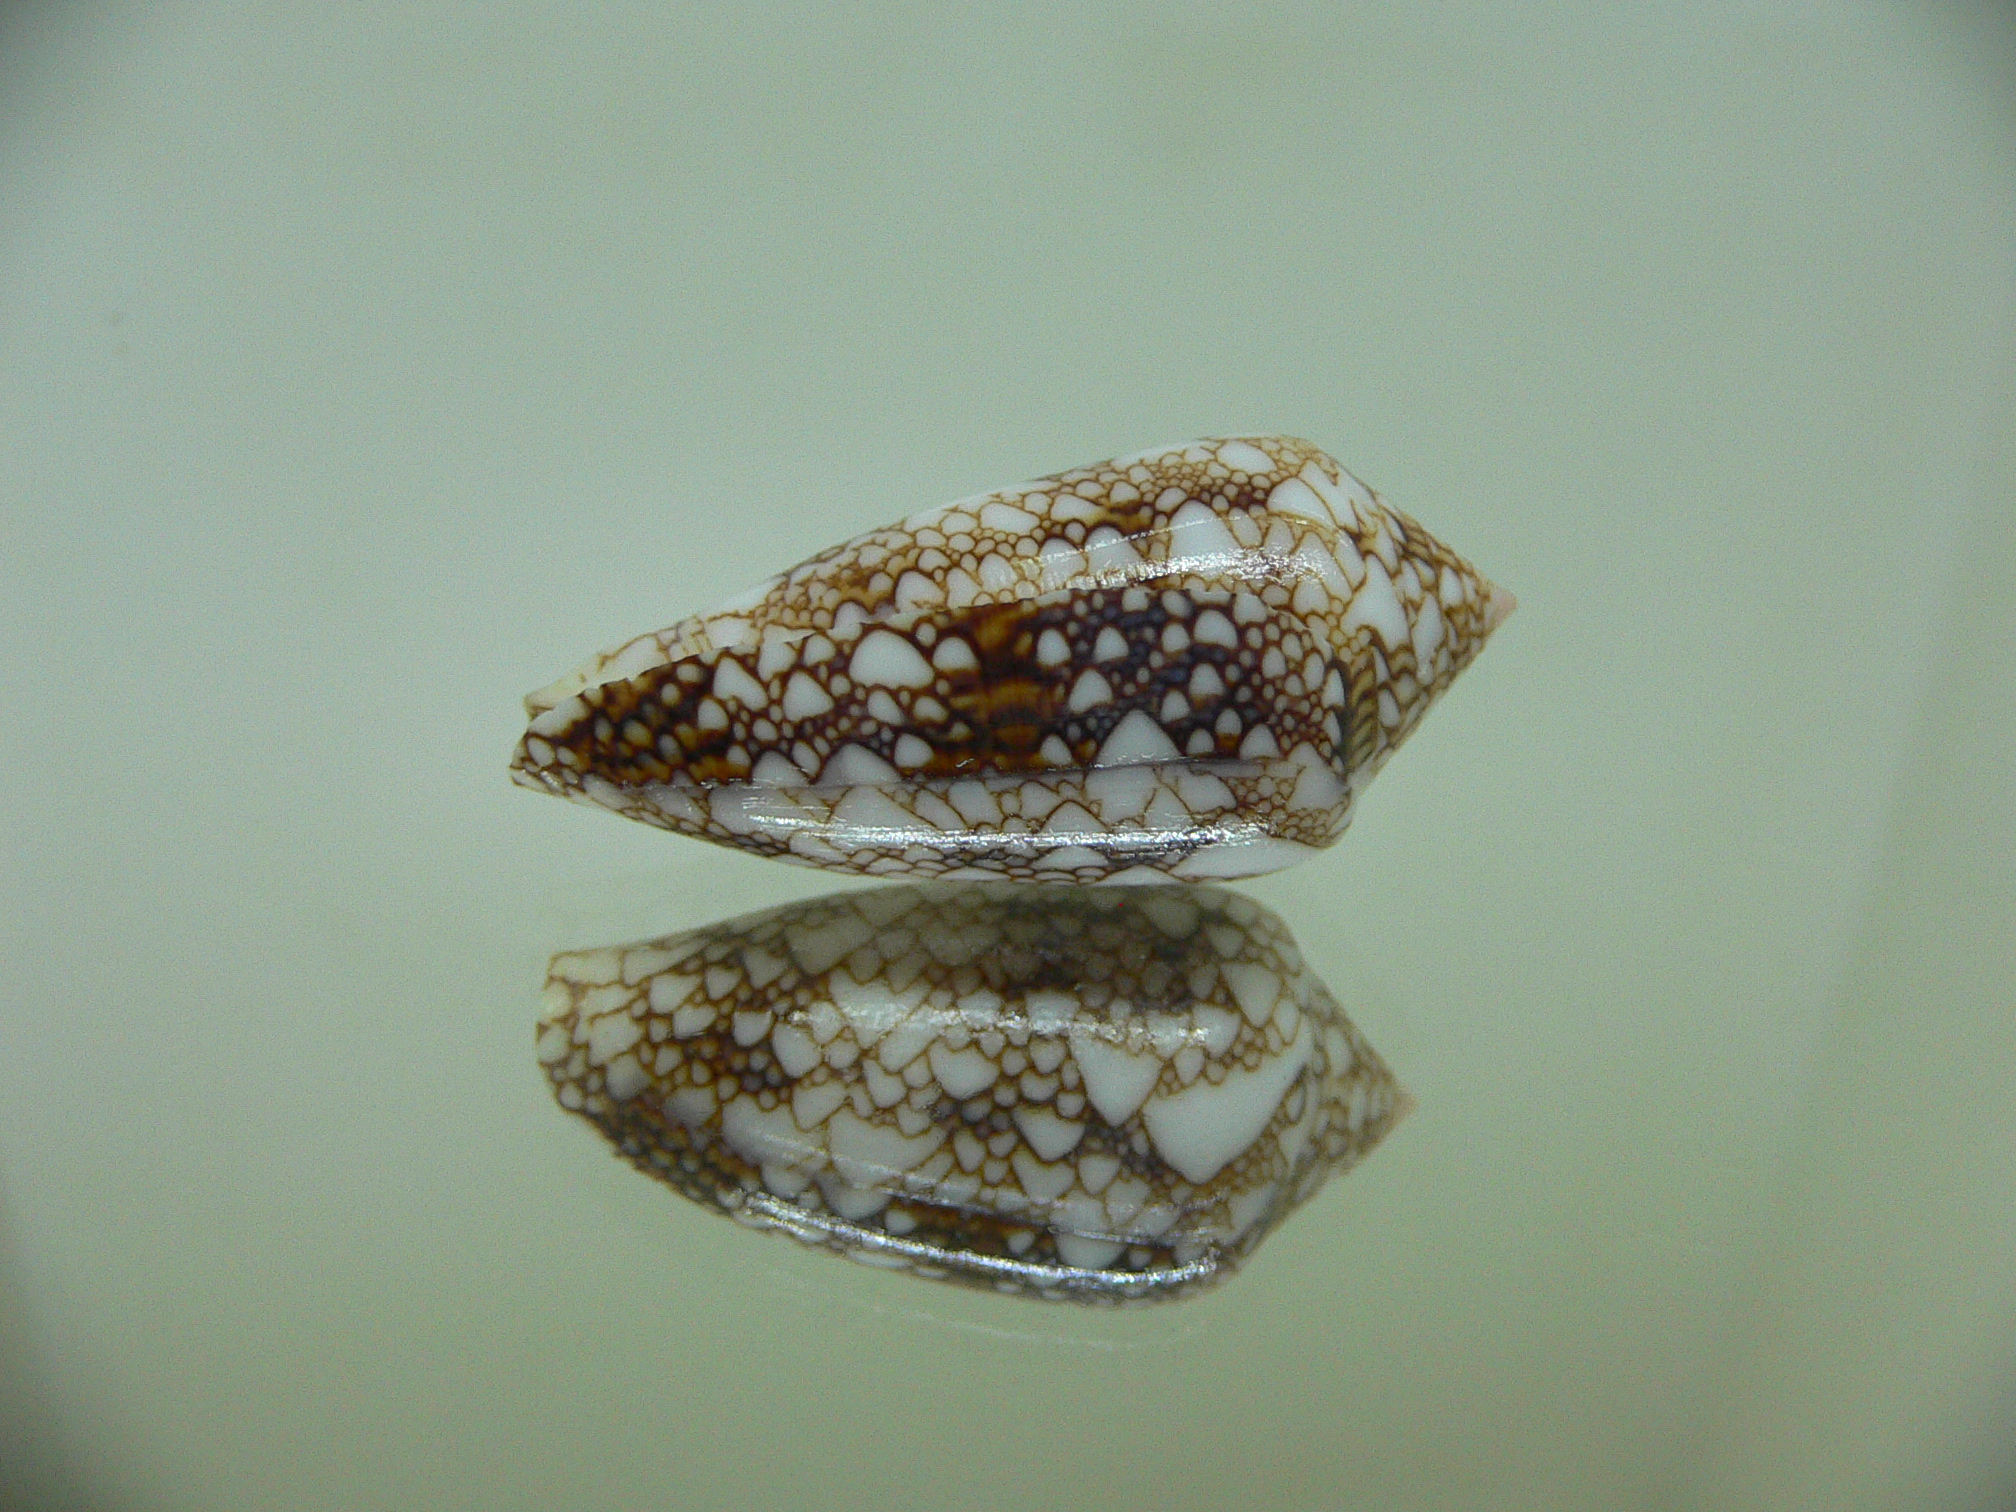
1177,664
1097,1094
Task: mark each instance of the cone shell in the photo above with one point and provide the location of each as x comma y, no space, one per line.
1097,1095
1178,664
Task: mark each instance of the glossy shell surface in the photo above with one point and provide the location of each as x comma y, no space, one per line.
1179,664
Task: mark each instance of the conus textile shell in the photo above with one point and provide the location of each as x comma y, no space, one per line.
1178,664
1099,1094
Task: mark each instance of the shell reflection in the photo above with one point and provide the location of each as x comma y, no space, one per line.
1099,1095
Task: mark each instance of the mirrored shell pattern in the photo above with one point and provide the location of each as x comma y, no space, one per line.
1181,664
1094,1094
1165,669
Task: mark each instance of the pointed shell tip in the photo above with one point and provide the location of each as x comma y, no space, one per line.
1498,608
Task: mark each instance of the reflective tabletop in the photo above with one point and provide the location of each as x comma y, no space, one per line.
361,370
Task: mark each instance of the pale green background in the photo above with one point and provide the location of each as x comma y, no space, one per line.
362,367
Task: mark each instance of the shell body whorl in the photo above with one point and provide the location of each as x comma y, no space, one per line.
1178,664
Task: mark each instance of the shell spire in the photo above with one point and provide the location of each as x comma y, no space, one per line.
1182,663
